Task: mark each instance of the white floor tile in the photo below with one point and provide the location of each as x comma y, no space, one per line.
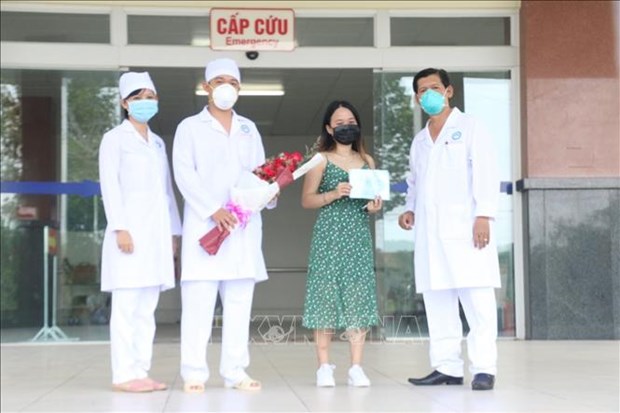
533,376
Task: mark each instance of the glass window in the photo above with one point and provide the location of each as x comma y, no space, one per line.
485,95
450,31
326,32
194,30
55,27
180,30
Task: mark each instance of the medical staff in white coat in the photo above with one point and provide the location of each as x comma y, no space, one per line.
210,151
452,199
143,226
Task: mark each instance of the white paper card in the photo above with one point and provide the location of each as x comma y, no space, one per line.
369,183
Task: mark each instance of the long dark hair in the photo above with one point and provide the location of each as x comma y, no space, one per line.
326,140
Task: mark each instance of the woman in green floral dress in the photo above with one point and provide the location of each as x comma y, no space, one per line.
341,284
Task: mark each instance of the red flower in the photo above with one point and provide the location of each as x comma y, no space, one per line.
274,166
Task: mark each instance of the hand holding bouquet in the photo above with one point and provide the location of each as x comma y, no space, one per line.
256,189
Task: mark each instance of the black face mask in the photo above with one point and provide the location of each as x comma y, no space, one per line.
346,134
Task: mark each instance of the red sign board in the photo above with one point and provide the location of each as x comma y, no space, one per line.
252,29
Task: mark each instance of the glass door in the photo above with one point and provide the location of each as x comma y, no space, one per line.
486,95
51,214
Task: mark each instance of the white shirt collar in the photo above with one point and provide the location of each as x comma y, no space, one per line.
129,128
454,115
206,116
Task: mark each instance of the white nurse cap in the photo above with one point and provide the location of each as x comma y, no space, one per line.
219,67
131,81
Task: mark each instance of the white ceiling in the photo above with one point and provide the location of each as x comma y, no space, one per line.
298,113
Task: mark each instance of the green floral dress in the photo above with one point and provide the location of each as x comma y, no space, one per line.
341,286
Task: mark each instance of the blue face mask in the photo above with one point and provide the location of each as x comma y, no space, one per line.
143,110
433,102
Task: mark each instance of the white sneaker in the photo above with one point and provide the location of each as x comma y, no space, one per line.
325,376
357,378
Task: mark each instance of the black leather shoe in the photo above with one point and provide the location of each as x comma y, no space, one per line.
483,381
436,378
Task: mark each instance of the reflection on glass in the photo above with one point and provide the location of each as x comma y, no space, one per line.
489,99
397,120
10,170
45,113
91,108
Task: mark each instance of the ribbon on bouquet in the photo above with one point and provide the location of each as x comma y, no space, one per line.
243,215
212,240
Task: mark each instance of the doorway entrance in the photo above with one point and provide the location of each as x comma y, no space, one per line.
83,105
287,106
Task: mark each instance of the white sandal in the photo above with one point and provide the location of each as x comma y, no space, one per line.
248,384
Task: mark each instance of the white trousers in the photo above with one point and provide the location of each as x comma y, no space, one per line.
446,330
198,301
132,330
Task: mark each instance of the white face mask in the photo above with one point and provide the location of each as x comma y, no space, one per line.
225,96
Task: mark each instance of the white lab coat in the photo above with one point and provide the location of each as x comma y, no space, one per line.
207,163
136,187
452,181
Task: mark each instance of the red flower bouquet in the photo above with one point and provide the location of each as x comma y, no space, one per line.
256,189
274,166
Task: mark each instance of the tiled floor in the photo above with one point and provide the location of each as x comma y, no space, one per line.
534,376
